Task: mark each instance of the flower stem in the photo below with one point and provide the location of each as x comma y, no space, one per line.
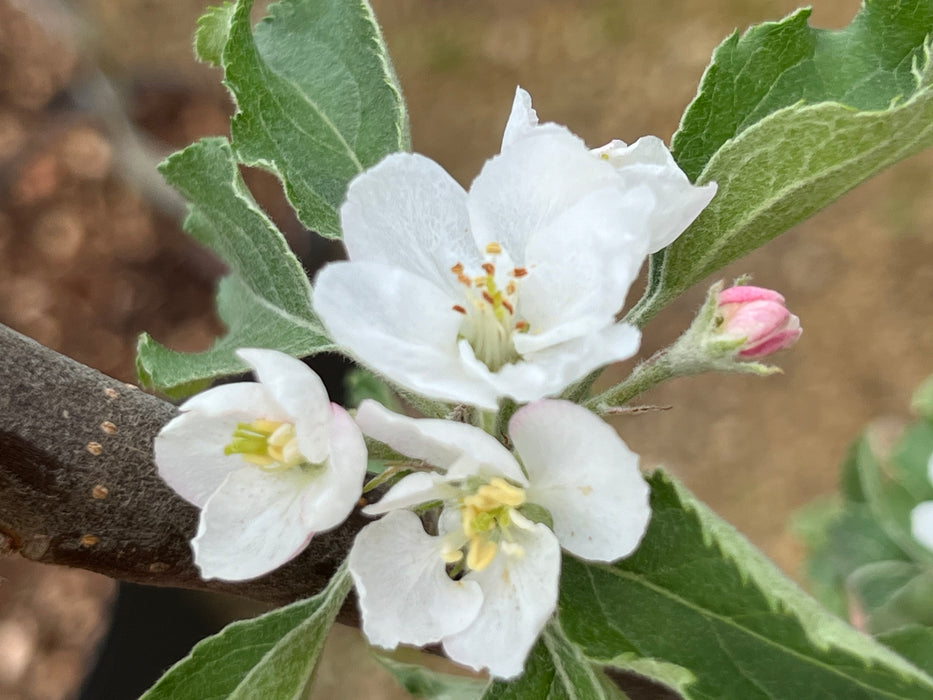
656,369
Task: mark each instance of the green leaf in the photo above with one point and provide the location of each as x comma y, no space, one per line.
911,458
855,538
556,670
674,677
869,65
271,656
317,97
212,33
890,503
361,384
698,596
265,302
810,524
787,119
892,594
251,322
914,643
422,682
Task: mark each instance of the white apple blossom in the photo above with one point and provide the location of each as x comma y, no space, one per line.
921,517
485,585
269,463
513,288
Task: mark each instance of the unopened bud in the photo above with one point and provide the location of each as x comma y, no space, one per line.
760,317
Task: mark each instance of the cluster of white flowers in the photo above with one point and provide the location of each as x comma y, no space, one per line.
509,290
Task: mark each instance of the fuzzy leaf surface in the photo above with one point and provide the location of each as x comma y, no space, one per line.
317,99
557,670
264,302
697,596
422,682
271,656
786,120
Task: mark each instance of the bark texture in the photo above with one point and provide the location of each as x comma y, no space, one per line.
78,486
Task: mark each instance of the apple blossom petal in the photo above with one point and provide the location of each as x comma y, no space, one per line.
405,594
582,265
239,397
441,443
586,477
521,191
189,450
331,496
519,596
522,119
252,524
921,524
648,162
400,325
412,490
553,369
298,390
408,212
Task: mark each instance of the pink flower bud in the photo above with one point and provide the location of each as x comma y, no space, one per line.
759,316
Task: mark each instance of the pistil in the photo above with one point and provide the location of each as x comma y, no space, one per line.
490,316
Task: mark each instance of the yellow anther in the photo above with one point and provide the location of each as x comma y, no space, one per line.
467,515
604,156
502,492
493,248
480,501
258,460
291,453
482,552
270,445
267,427
451,556
282,434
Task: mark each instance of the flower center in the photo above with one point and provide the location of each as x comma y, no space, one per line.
490,318
485,518
270,445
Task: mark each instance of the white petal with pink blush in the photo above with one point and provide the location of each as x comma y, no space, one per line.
269,463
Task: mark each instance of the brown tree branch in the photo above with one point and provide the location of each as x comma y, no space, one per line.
78,486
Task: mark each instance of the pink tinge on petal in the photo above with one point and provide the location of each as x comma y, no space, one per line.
758,316
745,293
779,341
754,320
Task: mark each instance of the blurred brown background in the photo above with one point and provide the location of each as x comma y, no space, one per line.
94,92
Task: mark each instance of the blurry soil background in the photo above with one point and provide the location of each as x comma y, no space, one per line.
94,92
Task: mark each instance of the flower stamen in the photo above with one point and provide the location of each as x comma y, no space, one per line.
269,445
486,516
491,314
